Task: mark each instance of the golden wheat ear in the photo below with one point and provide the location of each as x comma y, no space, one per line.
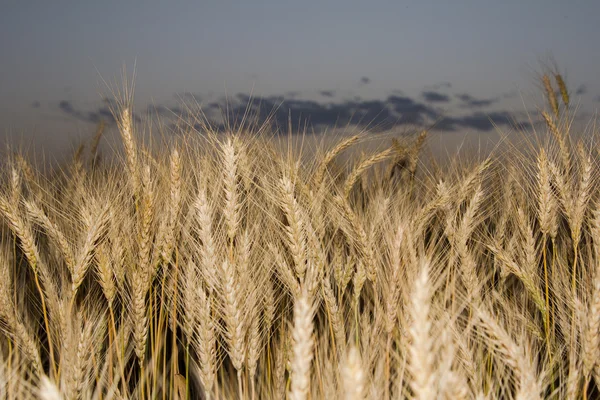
562,87
550,95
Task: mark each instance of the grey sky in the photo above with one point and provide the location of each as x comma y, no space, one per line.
56,51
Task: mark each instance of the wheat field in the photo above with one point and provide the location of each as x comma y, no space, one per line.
223,266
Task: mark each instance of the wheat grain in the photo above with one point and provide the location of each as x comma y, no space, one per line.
232,207
232,313
126,128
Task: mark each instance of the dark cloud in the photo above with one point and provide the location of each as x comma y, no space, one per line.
279,111
435,97
484,121
66,107
292,94
35,104
376,114
470,101
327,93
160,110
243,97
581,90
364,80
103,113
410,111
480,121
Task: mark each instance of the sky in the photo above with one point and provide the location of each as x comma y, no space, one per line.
377,64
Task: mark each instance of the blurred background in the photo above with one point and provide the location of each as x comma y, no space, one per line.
464,68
